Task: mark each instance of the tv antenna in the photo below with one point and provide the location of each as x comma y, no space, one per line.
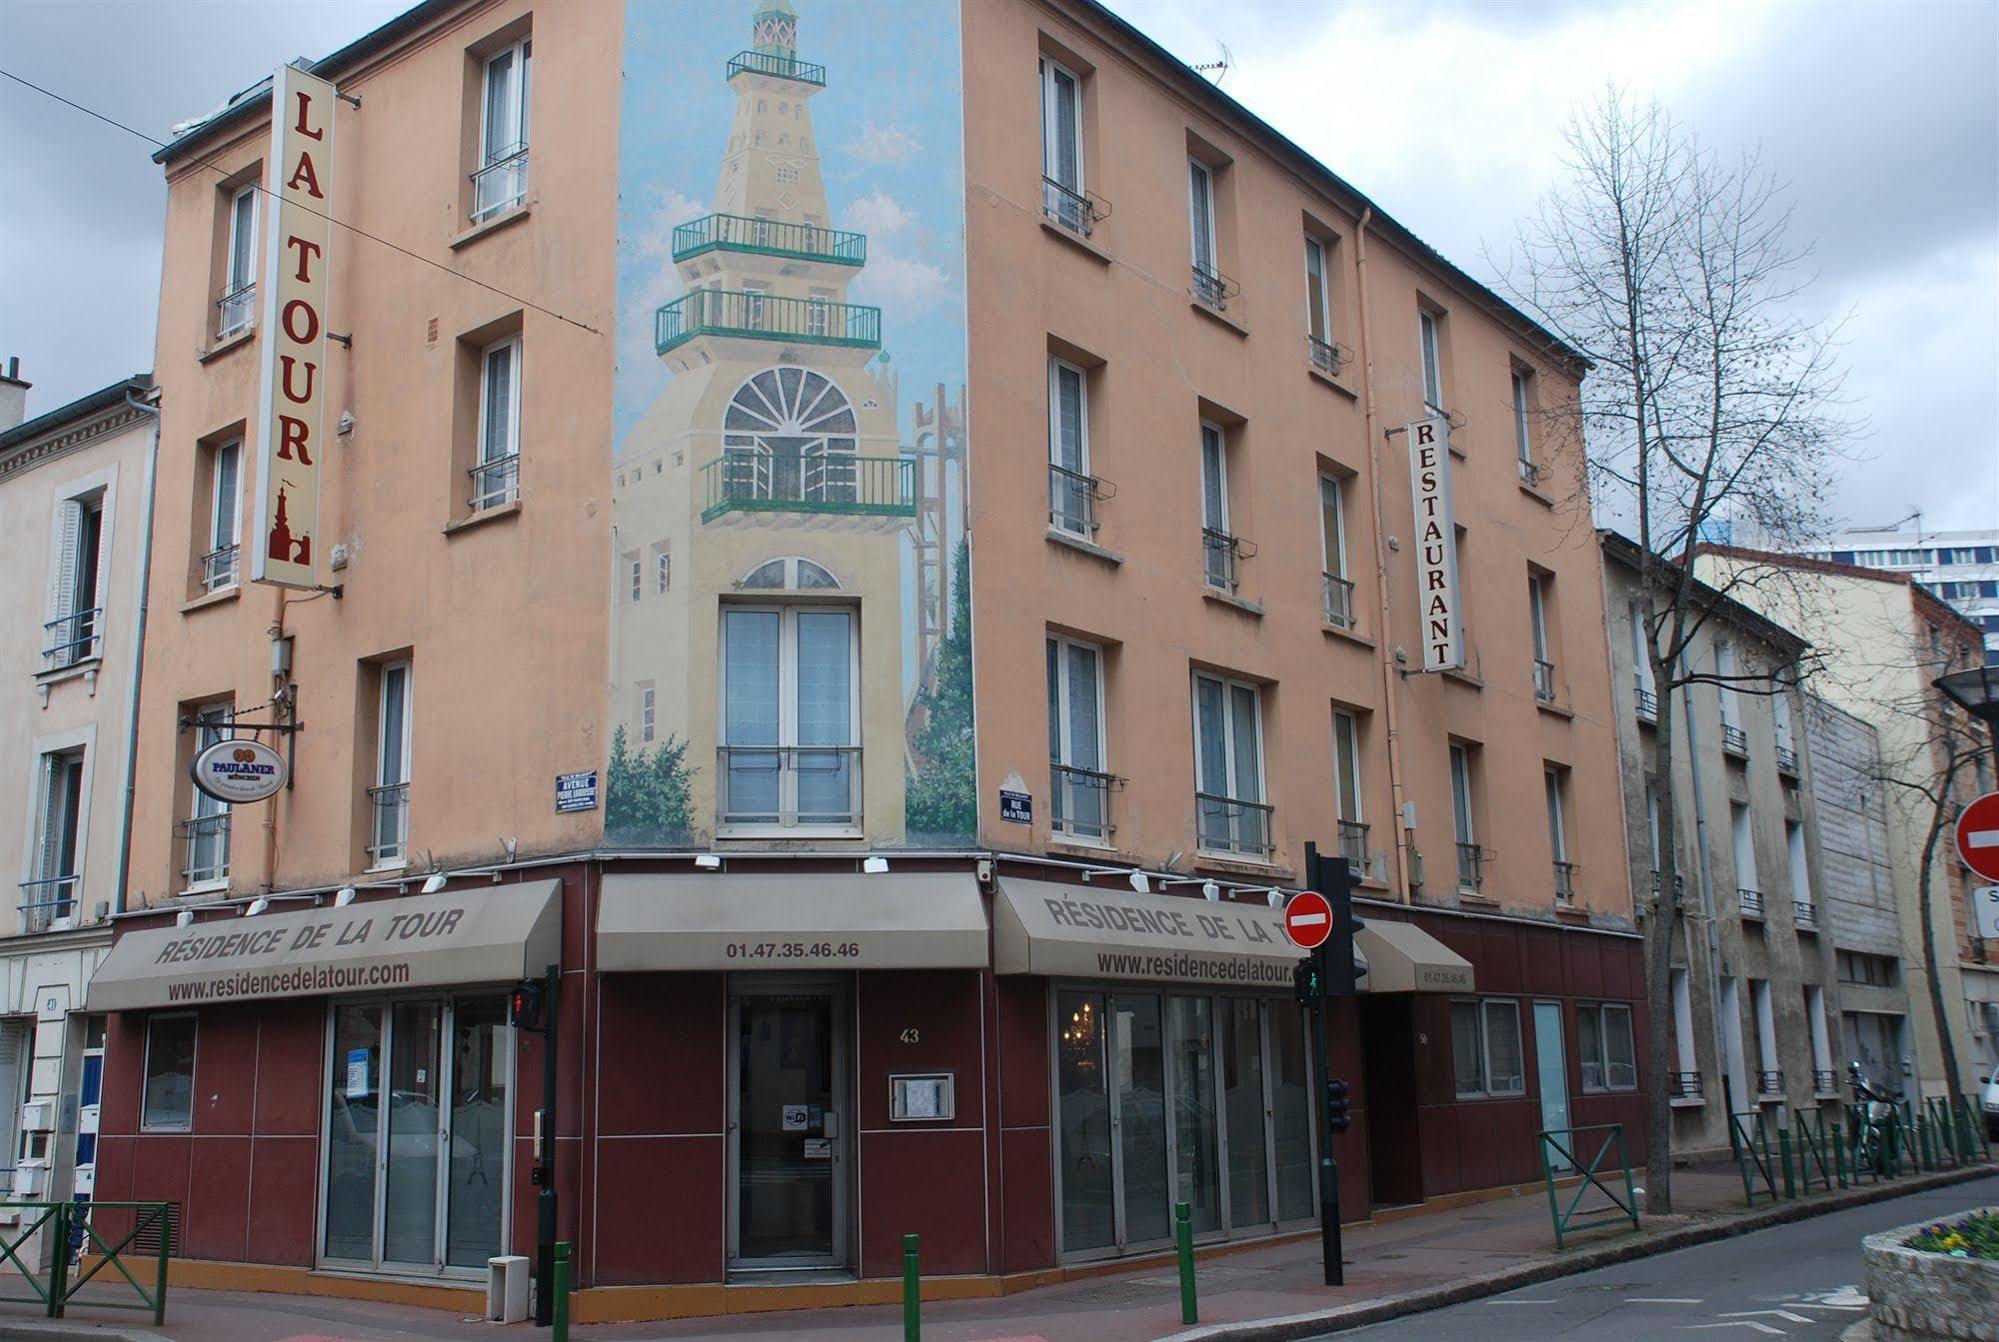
1215,69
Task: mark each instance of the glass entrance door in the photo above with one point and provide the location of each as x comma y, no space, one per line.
787,1129
1552,1068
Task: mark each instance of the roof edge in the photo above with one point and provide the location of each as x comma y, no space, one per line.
83,407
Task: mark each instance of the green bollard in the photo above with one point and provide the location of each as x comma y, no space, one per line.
912,1289
1183,1236
1839,1155
1784,1154
1923,1143
558,1316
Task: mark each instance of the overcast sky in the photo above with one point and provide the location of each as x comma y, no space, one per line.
1883,118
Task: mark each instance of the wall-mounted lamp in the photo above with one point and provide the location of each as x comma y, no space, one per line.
343,896
435,882
1274,898
185,918
708,861
1210,891
874,866
256,906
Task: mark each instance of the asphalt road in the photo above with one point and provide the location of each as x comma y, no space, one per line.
1801,1281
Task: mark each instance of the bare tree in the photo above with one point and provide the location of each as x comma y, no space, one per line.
1708,401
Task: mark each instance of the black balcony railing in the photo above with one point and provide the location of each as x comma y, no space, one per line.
46,900
389,805
1220,553
789,786
496,482
1787,761
1734,740
1337,594
1072,500
1825,1082
1565,882
1328,356
218,568
1806,914
235,311
1353,847
1530,474
1232,825
1080,802
1749,901
1214,288
1471,866
1684,1085
501,184
1648,705
1077,211
1544,681
205,846
70,639
777,67
1770,1083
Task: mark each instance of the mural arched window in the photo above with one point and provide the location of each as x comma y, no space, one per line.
789,574
789,436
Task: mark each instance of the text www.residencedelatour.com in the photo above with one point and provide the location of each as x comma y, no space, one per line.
302,979
1182,965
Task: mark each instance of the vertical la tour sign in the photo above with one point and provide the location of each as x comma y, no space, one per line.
297,177
1436,545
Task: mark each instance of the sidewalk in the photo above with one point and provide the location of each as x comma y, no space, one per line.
1395,1266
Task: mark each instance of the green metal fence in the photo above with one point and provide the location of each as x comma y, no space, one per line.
84,1229
1749,1137
1561,1150
1815,1147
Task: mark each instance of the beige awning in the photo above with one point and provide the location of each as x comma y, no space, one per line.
1403,958
1080,931
843,920
487,934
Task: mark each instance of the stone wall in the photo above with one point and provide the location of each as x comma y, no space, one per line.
1857,880
1929,1297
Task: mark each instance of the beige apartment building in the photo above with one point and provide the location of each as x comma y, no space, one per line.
762,455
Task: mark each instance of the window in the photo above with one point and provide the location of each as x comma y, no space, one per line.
389,798
1724,670
1555,784
789,434
790,704
1347,791
1521,401
1873,971
1079,786
1228,755
648,713
1071,491
1603,1035
1686,1085
206,833
51,893
1824,1079
500,181
496,478
167,1104
73,632
1208,283
1218,546
663,570
1652,832
225,471
638,578
237,307
1770,1076
1433,366
1326,356
1641,666
1749,891
1336,589
1544,655
1062,198
1469,853
1485,1048
1801,881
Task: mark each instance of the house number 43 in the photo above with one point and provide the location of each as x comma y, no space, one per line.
910,1036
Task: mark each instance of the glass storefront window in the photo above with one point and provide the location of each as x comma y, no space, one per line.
1291,1111
410,1232
1242,1102
1084,1113
478,1132
352,1129
1141,1116
1196,1133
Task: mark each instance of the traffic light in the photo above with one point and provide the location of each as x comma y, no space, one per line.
1354,925
1339,1116
1307,982
524,1005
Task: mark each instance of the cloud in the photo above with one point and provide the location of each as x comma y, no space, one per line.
904,285
876,214
648,279
883,144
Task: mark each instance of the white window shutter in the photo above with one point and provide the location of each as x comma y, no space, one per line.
62,563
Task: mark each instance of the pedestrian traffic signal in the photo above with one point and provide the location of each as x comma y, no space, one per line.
524,1005
1354,925
1307,982
1339,1116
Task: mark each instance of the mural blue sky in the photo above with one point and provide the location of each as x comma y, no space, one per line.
891,149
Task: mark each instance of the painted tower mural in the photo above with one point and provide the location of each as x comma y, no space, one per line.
791,654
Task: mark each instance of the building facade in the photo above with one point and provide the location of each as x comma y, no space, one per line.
1756,1023
1961,567
664,639
75,496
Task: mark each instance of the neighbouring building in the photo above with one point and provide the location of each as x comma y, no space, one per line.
75,494
1752,984
1961,567
642,645
1884,638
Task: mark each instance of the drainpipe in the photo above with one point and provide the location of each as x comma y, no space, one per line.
138,662
1384,648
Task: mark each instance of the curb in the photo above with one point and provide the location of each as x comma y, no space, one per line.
1360,1314
66,1331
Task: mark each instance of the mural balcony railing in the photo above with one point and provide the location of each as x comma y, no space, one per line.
1770,1083
755,316
1648,705
1353,847
1565,882
70,639
1749,901
768,237
1806,915
1077,211
788,786
1073,499
1080,802
235,311
205,848
777,67
1684,1086
1734,740
1328,356
218,568
1471,866
1233,826
501,184
389,806
1336,600
1787,760
747,480
46,900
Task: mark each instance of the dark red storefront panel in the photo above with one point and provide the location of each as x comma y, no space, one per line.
1544,965
918,1021
1023,1050
1498,964
114,1167
568,1212
660,1211
225,1071
160,1168
284,1184
291,1068
124,1072
569,1064
216,1215
931,1184
1442,1145
1027,1197
661,1067
1584,957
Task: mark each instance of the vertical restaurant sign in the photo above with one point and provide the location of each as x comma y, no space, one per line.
1436,545
297,180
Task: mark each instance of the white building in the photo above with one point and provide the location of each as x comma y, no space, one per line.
75,496
1962,567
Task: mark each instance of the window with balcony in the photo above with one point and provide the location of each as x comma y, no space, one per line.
1063,198
1646,687
1079,784
1430,351
1347,792
1072,490
1805,909
1733,739
1231,815
1485,1048
788,445
1210,285
1685,1083
1539,617
49,895
1555,785
1325,354
1770,1071
236,309
74,632
1748,887
500,174
1336,588
1523,445
496,474
223,535
1780,722
790,753
1603,1038
389,797
1825,1080
1471,858
1221,548
205,832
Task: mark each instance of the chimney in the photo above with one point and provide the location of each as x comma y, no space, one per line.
13,396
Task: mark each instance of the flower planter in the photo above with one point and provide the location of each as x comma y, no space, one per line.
1915,1296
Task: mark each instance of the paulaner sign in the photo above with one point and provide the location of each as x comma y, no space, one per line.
1436,545
297,179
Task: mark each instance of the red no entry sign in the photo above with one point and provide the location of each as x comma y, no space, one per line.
1308,919
1978,836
